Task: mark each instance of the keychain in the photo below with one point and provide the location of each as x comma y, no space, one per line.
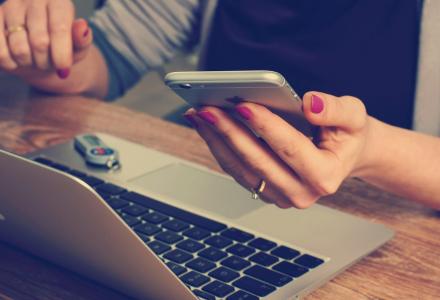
95,152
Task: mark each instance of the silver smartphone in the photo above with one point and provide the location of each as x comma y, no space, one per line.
225,89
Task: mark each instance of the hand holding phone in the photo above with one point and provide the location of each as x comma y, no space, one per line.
225,89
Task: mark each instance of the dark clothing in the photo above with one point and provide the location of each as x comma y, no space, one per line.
362,48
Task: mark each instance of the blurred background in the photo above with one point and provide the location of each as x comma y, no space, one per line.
150,95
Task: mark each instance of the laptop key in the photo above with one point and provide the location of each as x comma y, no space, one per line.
44,161
285,252
60,167
176,225
240,250
178,256
268,276
92,181
77,173
201,265
135,210
213,254
237,235
158,247
224,274
241,295
155,218
168,237
235,263
290,269
175,212
309,261
147,228
117,203
105,196
218,241
176,269
203,295
262,244
143,237
131,221
194,279
190,245
110,189
254,286
197,233
263,259
218,288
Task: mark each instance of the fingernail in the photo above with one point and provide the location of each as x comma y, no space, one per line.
317,104
86,33
208,117
191,120
63,73
244,112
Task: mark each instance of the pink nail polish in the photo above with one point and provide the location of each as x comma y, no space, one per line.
63,73
86,33
244,112
208,117
191,120
317,104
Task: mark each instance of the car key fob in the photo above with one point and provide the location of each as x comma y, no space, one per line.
95,152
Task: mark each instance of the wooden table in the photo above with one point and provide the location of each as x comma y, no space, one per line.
408,267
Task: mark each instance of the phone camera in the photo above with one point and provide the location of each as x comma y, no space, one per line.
186,86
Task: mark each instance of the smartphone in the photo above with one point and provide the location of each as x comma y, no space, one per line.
225,89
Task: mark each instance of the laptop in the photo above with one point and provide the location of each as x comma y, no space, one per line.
164,228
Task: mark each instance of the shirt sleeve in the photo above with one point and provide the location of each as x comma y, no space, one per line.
136,36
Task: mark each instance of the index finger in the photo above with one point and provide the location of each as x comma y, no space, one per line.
61,15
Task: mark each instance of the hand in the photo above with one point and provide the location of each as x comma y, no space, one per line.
297,170
39,37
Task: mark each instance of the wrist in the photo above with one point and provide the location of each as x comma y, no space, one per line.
372,155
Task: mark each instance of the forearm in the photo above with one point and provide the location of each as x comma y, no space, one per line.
88,76
403,162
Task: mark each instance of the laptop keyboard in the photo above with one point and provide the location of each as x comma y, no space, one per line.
215,261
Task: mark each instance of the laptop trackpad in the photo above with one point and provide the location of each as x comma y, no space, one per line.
190,186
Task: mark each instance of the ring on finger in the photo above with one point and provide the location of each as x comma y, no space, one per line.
13,29
256,192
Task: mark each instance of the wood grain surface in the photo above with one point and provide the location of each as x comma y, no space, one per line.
408,267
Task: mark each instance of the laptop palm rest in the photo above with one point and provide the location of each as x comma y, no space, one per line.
200,189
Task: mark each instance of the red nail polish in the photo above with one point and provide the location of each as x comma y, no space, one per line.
317,104
63,73
208,117
191,120
244,112
86,33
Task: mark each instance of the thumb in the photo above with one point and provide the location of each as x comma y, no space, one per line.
345,112
82,38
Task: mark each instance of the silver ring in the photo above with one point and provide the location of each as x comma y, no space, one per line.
256,192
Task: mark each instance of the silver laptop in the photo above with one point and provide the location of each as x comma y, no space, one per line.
165,228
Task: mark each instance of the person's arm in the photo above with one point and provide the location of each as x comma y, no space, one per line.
89,76
404,162
131,37
41,42
137,36
298,171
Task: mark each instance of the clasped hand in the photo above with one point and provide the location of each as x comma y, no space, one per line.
37,36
